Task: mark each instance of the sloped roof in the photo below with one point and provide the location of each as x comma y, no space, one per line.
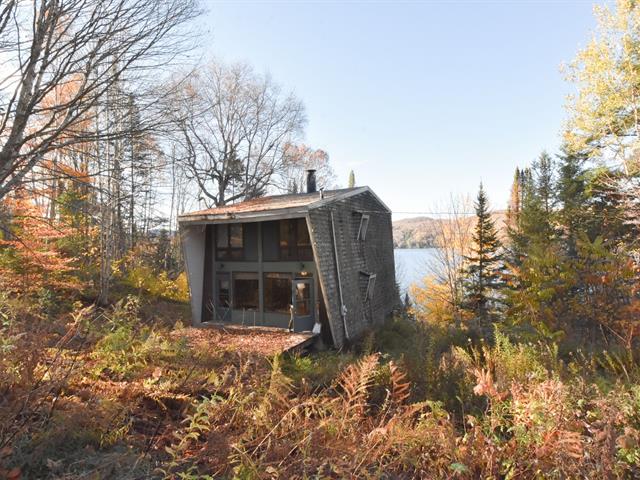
273,205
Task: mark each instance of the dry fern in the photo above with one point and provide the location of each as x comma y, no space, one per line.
400,386
355,383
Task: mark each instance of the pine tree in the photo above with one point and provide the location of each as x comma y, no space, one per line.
352,179
484,265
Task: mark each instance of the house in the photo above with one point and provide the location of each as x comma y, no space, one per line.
320,260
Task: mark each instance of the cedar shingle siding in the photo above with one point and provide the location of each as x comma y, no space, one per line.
356,258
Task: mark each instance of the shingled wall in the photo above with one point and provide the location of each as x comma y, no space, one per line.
356,258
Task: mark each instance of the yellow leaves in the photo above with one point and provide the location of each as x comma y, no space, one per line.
605,114
431,302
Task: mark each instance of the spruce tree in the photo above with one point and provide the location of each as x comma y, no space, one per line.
607,217
352,179
515,202
544,181
534,226
484,265
572,217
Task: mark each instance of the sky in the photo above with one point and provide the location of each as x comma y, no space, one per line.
423,100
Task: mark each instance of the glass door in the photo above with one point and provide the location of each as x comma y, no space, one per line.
222,303
303,301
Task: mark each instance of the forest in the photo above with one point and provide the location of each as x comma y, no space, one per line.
518,356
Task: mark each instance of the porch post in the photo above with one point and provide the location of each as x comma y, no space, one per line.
260,277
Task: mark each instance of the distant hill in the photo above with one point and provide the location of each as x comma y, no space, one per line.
420,232
417,232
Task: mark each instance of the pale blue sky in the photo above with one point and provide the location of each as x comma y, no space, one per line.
421,99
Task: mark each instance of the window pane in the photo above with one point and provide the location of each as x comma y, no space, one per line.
245,291
277,292
364,225
235,233
224,294
285,226
303,241
303,298
222,236
303,233
371,285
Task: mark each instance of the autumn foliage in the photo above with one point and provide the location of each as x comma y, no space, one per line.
31,256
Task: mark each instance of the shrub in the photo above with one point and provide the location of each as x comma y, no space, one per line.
9,338
128,345
317,370
158,285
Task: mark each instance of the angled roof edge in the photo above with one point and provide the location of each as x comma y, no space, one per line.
279,214
274,214
345,195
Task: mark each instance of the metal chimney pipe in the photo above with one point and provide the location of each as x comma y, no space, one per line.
311,181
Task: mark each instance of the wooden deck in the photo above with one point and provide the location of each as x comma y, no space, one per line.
257,340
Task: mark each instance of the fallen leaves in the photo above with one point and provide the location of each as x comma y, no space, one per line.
250,340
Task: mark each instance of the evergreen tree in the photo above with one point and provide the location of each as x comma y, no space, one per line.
534,225
607,216
484,265
352,179
571,195
544,181
515,202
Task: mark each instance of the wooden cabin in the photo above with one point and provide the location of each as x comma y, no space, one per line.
317,261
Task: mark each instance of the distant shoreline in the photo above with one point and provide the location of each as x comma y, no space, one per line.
412,246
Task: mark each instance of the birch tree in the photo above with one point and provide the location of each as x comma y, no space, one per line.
88,45
604,121
453,241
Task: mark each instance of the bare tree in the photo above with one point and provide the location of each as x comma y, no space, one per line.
85,45
233,128
453,244
300,158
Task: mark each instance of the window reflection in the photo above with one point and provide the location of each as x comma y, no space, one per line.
230,241
303,298
277,292
245,291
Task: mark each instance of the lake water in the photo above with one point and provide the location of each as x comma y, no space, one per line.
412,265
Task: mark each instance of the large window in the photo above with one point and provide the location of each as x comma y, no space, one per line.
245,291
295,243
230,241
277,292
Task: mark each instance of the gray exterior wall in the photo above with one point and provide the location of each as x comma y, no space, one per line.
374,255
193,249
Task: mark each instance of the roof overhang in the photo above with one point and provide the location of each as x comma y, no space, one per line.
274,214
244,217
